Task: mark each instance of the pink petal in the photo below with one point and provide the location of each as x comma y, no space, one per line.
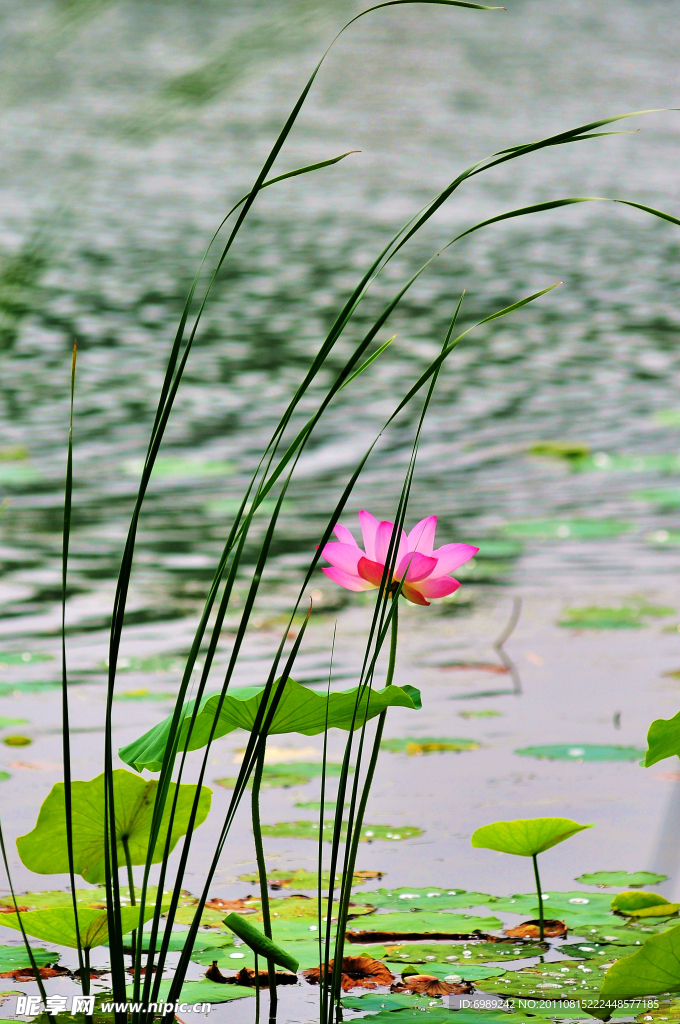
421,537
382,542
369,525
371,571
413,595
343,556
416,566
345,535
450,556
438,588
347,581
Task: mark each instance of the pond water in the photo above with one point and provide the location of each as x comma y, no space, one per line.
128,130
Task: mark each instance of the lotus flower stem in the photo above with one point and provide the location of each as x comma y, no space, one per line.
539,893
257,990
361,810
85,976
262,871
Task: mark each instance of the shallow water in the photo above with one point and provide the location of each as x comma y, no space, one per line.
128,130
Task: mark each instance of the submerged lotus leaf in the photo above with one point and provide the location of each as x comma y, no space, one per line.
44,850
566,529
623,879
459,956
652,970
283,776
59,925
15,958
526,837
310,830
300,710
428,926
629,902
431,898
581,752
415,746
663,740
562,979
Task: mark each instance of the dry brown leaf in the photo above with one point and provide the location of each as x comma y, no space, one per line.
430,985
11,910
532,930
357,972
28,974
246,976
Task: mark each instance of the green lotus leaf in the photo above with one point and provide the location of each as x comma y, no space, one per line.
585,903
22,658
44,850
666,1010
4,776
654,969
59,925
663,740
662,497
458,957
603,952
283,776
431,898
178,468
205,943
203,991
438,1014
310,830
561,979
566,529
526,837
299,879
143,695
582,752
623,879
632,932
94,899
393,1001
428,926
5,723
415,746
305,951
300,710
570,451
627,902
15,958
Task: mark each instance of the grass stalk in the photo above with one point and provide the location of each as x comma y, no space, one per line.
539,893
262,871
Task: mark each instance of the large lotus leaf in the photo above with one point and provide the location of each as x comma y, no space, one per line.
457,957
14,958
394,926
59,925
44,850
310,830
93,898
203,991
653,969
580,752
663,740
526,837
431,898
205,942
562,979
300,710
622,879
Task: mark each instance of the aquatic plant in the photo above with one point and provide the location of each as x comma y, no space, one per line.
527,837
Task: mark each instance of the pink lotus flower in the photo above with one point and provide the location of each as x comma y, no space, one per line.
426,570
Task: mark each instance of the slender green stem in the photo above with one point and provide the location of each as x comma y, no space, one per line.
257,991
539,893
262,871
356,836
131,887
85,976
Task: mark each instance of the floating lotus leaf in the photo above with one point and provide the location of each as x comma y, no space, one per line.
310,830
388,927
44,849
299,879
209,918
601,462
580,904
13,475
653,969
14,958
562,979
329,807
203,991
8,658
663,740
569,451
628,902
438,1014
8,689
526,837
417,745
662,497
626,617
598,951
431,898
4,776
667,538
388,1001
17,741
567,529
206,943
480,714
300,710
459,956
177,468
580,752
668,1010
143,695
94,899
59,925
283,776
305,951
5,723
623,879
630,933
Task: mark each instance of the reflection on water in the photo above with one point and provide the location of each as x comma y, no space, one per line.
128,129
